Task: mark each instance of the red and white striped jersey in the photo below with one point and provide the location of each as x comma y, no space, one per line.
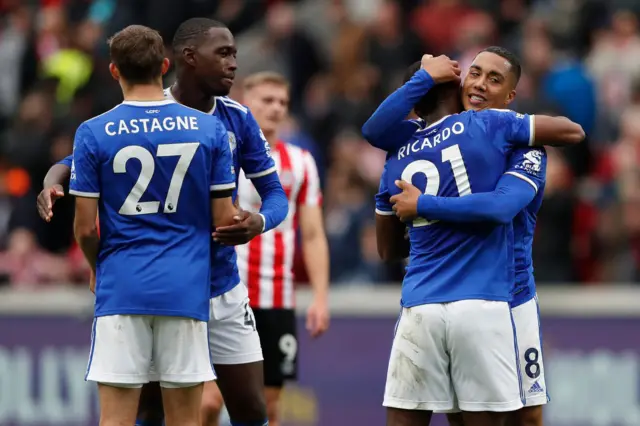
266,262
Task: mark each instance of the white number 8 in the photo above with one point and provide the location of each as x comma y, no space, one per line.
452,155
132,204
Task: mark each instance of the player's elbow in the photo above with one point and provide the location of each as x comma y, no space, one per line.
573,134
370,133
84,229
501,218
558,131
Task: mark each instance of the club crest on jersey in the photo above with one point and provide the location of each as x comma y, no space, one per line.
232,141
532,162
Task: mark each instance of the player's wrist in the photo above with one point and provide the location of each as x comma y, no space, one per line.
321,298
425,78
264,222
424,205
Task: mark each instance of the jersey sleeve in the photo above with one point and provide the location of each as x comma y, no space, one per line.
509,129
310,193
530,165
66,161
255,155
383,205
387,128
223,177
85,178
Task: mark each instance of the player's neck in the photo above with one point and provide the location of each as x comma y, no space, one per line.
192,98
271,137
442,111
143,92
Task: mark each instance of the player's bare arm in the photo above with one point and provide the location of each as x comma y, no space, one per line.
86,232
390,238
243,228
316,259
556,131
52,190
224,211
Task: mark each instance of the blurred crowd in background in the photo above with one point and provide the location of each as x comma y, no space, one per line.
581,59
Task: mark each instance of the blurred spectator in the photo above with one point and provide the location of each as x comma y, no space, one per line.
26,265
580,59
391,47
433,24
614,63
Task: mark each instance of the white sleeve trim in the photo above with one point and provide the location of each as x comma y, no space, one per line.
524,178
384,212
84,194
262,173
264,222
222,187
532,130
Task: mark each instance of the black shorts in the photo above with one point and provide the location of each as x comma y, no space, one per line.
279,341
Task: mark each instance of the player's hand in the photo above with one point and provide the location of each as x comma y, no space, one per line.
46,200
317,317
442,69
405,204
247,226
92,282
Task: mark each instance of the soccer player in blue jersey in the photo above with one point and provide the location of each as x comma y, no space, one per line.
161,175
519,192
205,60
482,382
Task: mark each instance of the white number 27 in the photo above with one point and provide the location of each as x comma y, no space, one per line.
452,155
132,204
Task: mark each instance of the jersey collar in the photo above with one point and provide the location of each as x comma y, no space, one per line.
149,103
169,94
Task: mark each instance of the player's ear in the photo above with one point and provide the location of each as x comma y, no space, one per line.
165,65
115,73
510,97
189,56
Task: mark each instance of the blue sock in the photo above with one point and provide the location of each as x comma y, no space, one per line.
260,423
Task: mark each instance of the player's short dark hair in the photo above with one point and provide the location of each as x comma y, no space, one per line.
511,57
430,101
138,52
413,68
190,30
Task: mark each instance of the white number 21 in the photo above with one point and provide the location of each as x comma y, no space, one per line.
452,155
132,204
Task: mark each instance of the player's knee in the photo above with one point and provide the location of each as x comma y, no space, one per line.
212,401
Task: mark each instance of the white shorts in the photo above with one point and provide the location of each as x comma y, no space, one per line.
461,353
233,338
122,347
527,320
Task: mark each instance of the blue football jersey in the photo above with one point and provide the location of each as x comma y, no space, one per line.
529,165
252,154
153,166
458,155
